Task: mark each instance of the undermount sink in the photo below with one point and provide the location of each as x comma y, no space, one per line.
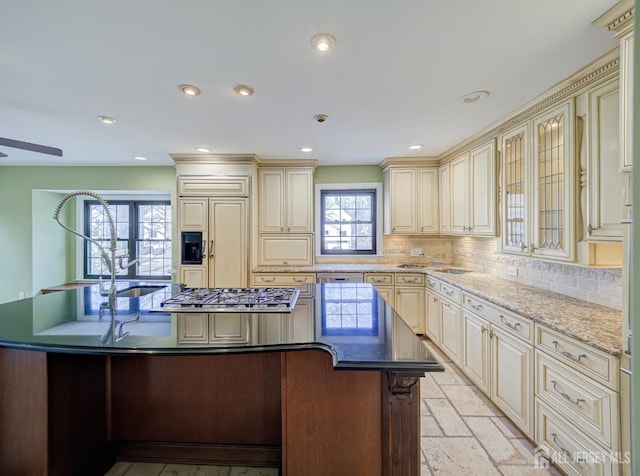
452,271
411,266
137,291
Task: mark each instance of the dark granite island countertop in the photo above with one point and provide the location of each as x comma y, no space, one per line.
74,396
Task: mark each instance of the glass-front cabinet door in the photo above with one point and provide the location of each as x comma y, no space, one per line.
554,184
515,203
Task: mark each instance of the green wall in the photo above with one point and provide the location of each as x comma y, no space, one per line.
34,251
348,174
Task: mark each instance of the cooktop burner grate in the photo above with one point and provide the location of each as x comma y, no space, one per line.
233,300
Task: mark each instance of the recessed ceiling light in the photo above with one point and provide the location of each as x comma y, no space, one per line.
415,147
475,96
107,119
190,90
139,157
243,90
306,149
323,42
203,149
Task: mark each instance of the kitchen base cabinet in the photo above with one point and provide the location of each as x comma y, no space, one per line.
409,300
570,450
409,304
450,343
512,378
383,282
434,317
474,360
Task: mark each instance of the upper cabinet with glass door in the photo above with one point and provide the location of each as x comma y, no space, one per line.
515,205
538,180
554,187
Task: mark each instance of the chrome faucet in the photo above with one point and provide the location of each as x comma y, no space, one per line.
108,256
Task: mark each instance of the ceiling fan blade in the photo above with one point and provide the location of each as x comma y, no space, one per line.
43,149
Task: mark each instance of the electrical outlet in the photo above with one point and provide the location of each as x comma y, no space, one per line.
513,271
21,295
416,252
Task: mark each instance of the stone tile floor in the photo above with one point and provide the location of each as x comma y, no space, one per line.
463,433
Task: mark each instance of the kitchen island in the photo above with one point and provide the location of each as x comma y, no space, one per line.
77,392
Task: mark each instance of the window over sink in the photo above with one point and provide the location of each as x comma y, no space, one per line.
348,217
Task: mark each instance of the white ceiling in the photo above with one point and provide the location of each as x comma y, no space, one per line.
394,78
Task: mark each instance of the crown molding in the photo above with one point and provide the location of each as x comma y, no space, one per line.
618,18
409,162
602,69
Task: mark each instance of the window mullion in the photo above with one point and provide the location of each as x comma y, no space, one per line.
133,235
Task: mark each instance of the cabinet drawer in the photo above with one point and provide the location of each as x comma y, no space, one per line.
592,362
450,292
433,284
518,325
571,450
379,278
591,407
409,279
303,281
286,249
218,186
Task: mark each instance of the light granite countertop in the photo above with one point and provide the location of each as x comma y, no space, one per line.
594,324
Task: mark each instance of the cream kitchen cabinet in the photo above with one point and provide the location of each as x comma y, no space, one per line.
539,205
451,314
384,284
501,365
474,359
285,249
286,200
512,377
473,191
434,312
412,200
213,329
223,224
298,325
444,181
577,402
497,355
410,300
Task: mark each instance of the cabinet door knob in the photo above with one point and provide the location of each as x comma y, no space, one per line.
591,229
211,249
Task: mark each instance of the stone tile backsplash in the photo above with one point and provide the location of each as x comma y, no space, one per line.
598,285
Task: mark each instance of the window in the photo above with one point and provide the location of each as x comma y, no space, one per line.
348,221
143,232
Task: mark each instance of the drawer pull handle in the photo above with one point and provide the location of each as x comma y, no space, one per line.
432,283
577,401
300,280
446,304
267,280
475,306
508,324
568,355
435,299
448,293
555,440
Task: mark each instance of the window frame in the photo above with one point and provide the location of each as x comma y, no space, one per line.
133,238
376,187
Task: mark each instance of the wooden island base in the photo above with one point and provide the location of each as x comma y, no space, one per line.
63,414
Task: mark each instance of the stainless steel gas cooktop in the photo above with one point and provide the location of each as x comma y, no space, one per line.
232,300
